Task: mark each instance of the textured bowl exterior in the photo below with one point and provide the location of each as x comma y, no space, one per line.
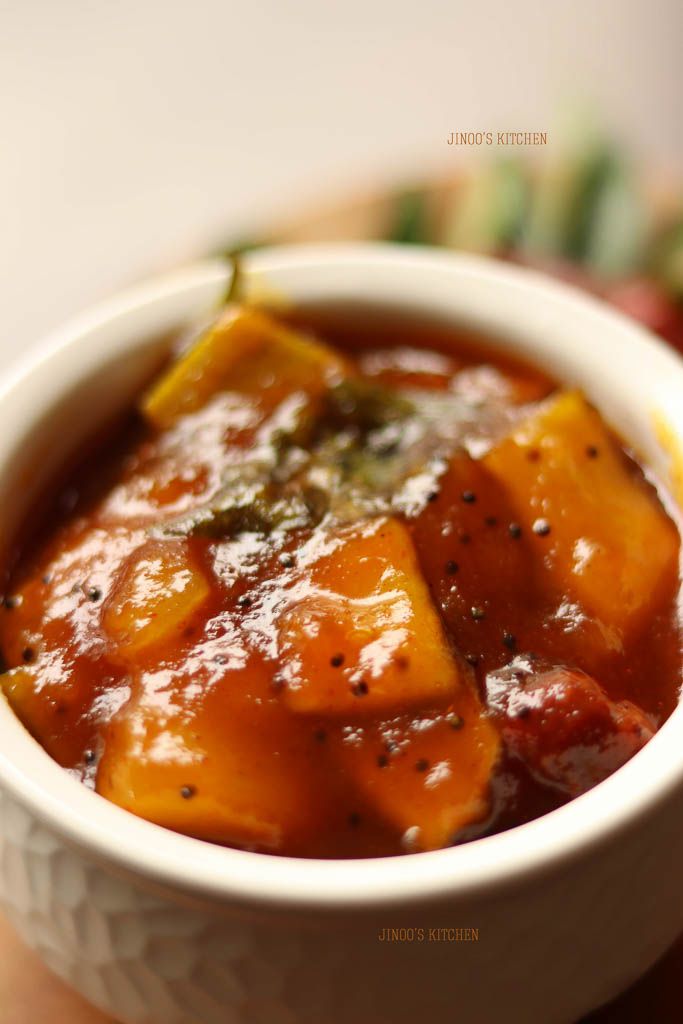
548,951
540,924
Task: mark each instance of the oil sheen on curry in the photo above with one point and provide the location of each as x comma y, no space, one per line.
348,585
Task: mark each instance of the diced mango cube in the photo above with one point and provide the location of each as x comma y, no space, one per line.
246,351
36,710
213,770
361,633
52,699
602,537
155,598
427,778
19,686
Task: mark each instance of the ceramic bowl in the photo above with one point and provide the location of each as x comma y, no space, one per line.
541,923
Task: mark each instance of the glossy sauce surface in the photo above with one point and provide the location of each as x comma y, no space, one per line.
355,598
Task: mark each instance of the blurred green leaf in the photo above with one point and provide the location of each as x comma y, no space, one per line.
489,210
616,231
410,225
667,257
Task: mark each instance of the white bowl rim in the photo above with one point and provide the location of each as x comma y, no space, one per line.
237,877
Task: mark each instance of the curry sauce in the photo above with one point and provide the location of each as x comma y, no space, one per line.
347,585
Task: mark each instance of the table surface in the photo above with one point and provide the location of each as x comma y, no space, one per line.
29,992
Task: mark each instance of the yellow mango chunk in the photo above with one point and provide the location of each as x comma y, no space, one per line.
155,598
53,701
214,771
427,778
361,634
600,534
245,351
35,706
19,686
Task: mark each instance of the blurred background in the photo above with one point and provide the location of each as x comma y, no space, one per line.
140,134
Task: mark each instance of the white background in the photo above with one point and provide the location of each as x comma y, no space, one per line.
135,133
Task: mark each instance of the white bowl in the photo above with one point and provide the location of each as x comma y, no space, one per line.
156,927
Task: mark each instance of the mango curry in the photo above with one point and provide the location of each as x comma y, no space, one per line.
346,586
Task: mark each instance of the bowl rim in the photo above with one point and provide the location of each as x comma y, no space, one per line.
181,863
